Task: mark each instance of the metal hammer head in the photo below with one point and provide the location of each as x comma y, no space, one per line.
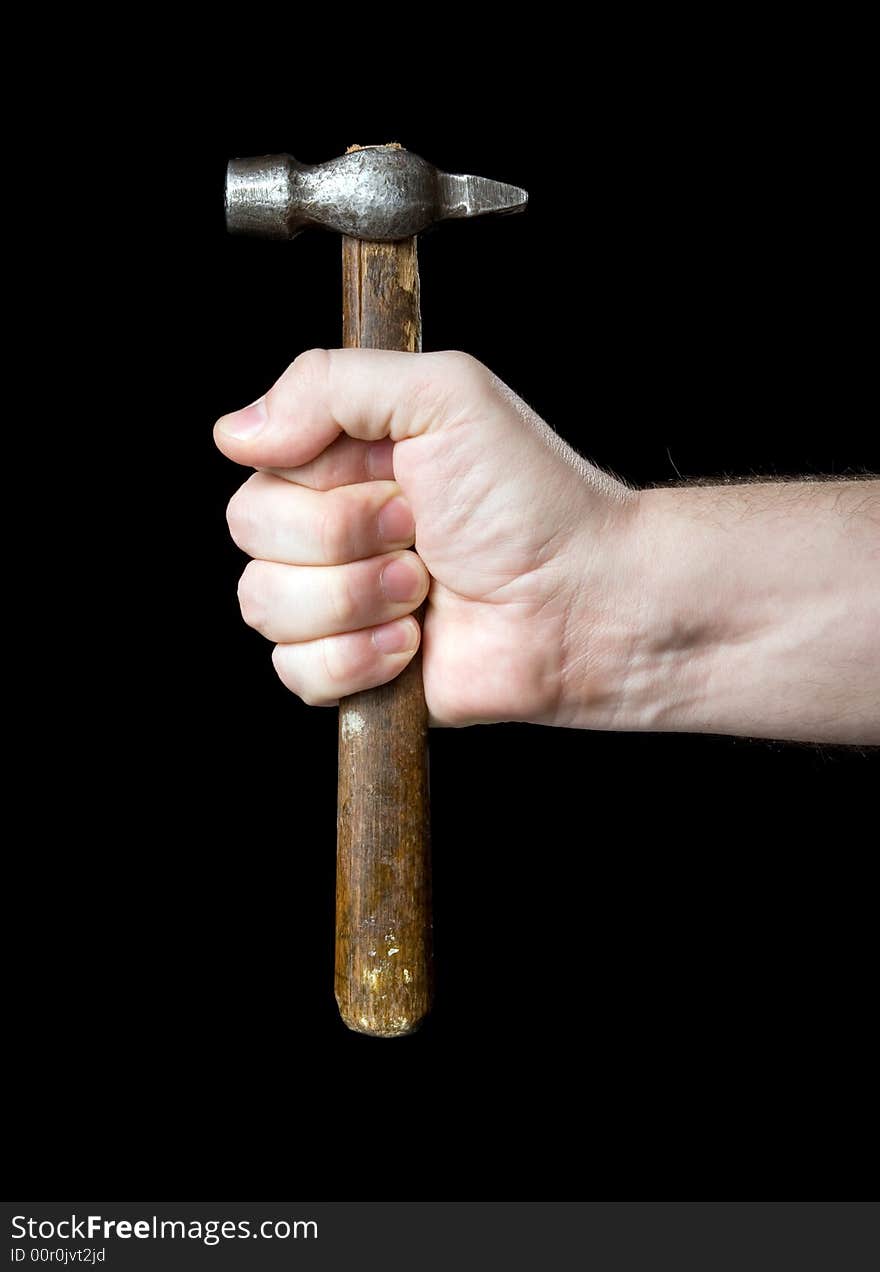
374,192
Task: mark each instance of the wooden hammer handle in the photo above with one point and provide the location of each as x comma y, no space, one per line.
383,877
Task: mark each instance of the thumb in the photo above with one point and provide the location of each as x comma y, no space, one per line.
366,393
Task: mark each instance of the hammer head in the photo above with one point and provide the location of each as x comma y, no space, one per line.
373,192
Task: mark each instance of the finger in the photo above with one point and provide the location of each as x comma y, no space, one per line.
271,519
323,671
345,462
366,393
288,603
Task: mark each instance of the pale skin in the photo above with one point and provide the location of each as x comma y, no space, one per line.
555,593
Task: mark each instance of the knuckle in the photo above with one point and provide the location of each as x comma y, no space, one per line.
333,529
252,596
458,358
465,368
239,519
332,664
308,369
346,664
342,600
295,678
457,380
286,669
311,366
314,696
241,512
283,670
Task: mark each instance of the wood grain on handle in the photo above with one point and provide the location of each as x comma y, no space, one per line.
383,876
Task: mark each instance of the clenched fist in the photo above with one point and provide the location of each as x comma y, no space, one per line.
362,453
555,594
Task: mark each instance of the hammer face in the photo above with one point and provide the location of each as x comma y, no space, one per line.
260,195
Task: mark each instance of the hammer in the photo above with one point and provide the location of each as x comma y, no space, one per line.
379,198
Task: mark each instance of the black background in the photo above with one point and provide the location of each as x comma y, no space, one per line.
653,952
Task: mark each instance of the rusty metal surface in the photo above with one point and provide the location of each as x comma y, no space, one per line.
377,192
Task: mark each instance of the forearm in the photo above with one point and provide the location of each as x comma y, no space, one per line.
752,610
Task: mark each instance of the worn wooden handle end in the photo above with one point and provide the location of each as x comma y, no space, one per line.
383,884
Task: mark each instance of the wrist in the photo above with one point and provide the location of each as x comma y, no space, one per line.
735,609
641,649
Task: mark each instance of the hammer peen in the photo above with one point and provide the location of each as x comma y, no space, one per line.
379,198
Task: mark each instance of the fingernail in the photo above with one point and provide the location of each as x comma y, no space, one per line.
245,423
402,580
396,524
398,637
379,461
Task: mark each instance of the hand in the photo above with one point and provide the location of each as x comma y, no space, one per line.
521,545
